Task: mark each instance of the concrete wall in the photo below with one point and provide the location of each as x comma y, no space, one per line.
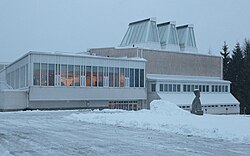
13,100
86,93
170,63
66,104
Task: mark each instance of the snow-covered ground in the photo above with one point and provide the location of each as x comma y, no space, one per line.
167,117
163,130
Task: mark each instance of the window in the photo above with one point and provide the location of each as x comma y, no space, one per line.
170,88
219,89
88,75
100,77
141,77
127,79
132,79
136,77
111,77
122,77
17,83
77,75
207,88
161,87
153,87
203,88
22,77
106,78
184,88
83,78
216,88
174,88
70,75
26,75
178,88
116,77
226,88
166,87
213,88
58,75
44,74
94,77
51,74
192,88
63,75
36,74
188,88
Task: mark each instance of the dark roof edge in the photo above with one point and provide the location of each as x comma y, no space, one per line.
144,20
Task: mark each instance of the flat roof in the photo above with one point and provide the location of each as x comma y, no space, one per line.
186,79
79,55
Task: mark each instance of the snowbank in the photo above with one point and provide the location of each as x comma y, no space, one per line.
165,116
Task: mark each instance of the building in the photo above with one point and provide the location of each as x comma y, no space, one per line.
41,80
153,61
174,68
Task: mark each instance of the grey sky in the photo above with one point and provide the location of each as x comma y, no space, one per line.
75,25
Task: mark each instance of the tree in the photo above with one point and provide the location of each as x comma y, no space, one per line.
236,75
226,59
246,82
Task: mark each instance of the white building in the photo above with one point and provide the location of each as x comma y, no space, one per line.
66,81
153,61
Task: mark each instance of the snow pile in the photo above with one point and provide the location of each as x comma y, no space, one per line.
165,116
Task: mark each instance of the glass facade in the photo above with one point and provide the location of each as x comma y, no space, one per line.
79,75
88,75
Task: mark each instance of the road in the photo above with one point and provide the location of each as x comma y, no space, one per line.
44,133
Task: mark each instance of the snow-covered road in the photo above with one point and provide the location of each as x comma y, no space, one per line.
53,133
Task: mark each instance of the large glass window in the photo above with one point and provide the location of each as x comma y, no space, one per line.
12,78
127,77
26,75
77,75
83,78
51,74
94,78
100,77
63,75
111,76
137,78
116,77
88,75
122,77
17,78
106,78
70,75
132,78
58,75
44,75
141,77
22,77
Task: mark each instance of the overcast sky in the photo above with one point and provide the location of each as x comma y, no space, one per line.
76,25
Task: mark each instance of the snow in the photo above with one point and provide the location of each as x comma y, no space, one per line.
168,117
145,132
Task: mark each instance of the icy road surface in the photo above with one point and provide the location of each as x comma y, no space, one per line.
52,133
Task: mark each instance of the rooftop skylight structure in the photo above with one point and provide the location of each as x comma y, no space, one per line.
143,34
165,36
168,36
186,38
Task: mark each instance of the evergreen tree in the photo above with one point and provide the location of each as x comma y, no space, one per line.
246,86
226,59
236,75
